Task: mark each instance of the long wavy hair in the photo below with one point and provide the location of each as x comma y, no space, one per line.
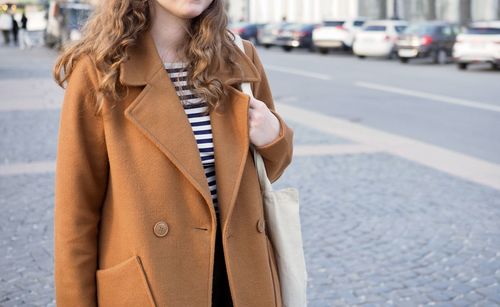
116,25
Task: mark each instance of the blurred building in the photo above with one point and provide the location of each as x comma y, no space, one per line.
461,11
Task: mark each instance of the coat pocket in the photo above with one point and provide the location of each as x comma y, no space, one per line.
274,273
124,284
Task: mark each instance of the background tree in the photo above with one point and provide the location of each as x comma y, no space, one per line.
431,10
465,12
498,9
383,9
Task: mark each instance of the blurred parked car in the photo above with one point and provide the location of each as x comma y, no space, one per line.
246,30
64,22
296,35
268,33
479,44
334,34
433,40
378,38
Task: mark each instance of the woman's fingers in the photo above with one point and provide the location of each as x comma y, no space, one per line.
255,103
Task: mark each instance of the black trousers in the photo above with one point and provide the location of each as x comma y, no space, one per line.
221,295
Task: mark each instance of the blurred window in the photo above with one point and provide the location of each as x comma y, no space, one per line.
358,23
483,31
293,27
420,29
399,29
75,18
239,24
446,31
456,29
375,28
330,23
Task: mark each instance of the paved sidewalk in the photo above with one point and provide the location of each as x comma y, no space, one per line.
378,230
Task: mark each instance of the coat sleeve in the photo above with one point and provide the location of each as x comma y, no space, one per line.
80,184
277,155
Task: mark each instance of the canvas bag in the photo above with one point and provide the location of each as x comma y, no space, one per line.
281,209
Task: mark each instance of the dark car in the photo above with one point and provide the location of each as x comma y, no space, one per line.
432,40
268,33
246,30
296,35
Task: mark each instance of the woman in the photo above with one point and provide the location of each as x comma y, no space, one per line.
154,174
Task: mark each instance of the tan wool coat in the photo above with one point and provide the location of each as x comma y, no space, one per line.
134,220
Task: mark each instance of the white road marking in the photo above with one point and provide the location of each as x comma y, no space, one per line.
451,162
27,168
419,94
337,149
298,72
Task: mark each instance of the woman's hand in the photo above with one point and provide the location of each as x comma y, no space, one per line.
264,126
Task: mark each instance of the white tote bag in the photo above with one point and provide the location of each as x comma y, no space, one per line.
281,209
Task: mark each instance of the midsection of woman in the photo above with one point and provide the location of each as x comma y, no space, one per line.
136,216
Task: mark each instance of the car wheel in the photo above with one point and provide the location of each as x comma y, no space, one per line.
404,60
346,48
392,55
361,56
267,46
440,57
323,50
462,66
495,66
287,48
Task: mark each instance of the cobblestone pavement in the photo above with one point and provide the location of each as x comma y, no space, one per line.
378,230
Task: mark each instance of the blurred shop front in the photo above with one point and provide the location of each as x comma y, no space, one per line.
462,11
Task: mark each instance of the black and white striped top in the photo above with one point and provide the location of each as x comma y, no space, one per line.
202,129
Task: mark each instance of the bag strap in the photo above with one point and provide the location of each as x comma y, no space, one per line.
265,183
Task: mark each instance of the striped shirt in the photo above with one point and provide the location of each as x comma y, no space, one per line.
194,107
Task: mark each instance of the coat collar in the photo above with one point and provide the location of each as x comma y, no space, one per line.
158,114
144,61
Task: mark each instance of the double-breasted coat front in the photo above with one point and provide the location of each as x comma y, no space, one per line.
134,220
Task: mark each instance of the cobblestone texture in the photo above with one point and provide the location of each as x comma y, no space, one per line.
382,230
32,130
378,230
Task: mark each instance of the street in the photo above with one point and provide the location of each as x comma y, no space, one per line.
397,167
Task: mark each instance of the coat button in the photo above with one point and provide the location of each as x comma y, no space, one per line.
160,229
261,225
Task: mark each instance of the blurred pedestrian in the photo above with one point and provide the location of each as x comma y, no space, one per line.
139,219
6,27
15,29
24,38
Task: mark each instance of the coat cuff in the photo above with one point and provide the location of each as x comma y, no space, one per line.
276,147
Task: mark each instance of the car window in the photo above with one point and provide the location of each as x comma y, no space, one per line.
446,30
329,23
374,28
293,27
399,29
239,24
420,29
483,31
456,29
273,26
358,23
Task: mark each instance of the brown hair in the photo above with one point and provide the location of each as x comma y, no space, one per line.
116,25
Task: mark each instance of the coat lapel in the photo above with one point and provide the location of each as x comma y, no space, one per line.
159,115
